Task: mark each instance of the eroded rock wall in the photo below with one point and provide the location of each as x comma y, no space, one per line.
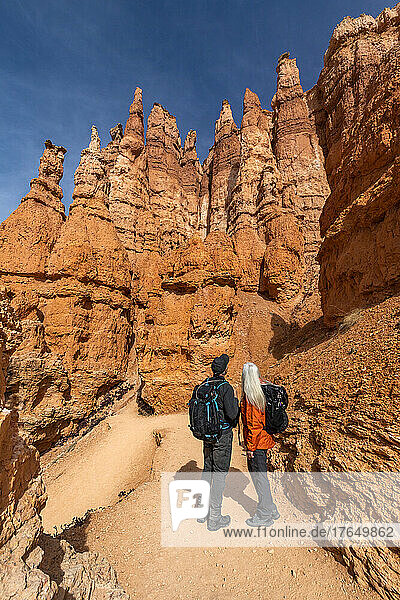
225,167
22,497
160,258
356,103
70,289
23,572
225,249
199,312
300,160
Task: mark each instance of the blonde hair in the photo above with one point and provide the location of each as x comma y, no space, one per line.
251,386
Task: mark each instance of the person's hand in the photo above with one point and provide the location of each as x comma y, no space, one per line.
249,453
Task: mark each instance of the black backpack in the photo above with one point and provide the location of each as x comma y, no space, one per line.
205,418
276,419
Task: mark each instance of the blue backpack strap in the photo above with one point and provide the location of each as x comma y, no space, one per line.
217,388
225,425
222,383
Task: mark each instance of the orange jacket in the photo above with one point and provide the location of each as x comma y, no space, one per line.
254,434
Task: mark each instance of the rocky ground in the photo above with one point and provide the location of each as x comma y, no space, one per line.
344,386
163,263
23,495
127,530
336,380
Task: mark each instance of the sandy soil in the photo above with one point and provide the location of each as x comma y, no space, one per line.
118,466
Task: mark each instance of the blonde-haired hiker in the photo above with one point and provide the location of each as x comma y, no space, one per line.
257,443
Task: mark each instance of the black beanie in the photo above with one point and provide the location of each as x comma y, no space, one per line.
219,364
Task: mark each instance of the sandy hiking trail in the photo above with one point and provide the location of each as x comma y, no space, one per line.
117,466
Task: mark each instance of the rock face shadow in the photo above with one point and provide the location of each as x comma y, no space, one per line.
52,558
76,534
289,338
51,564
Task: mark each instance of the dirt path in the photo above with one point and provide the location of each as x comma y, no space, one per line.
91,472
121,454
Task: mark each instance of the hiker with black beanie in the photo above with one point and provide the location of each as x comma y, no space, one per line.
214,411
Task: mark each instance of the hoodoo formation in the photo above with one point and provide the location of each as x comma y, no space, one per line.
290,225
162,262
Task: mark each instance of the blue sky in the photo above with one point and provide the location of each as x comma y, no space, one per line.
68,64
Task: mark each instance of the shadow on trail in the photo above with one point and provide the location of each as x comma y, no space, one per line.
234,488
76,533
189,467
236,483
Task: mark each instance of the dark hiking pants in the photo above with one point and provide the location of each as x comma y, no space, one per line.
258,471
217,458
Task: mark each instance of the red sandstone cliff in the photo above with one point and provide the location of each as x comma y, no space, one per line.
162,262
357,101
70,288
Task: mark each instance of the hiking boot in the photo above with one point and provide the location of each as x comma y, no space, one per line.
203,519
257,522
275,515
214,525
